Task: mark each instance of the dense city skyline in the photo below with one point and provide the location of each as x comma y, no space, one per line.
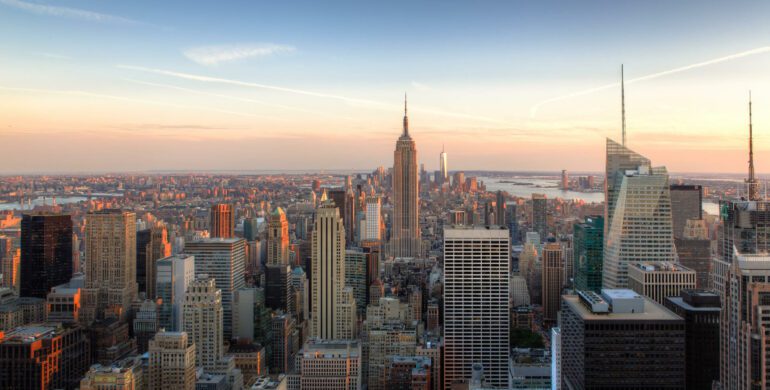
98,87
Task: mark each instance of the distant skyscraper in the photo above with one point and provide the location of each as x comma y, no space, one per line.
686,203
476,303
443,169
10,259
278,272
173,277
46,253
500,213
405,231
639,214
172,362
110,284
203,321
224,260
564,180
588,247
355,276
373,219
151,245
553,281
222,221
540,215
332,303
250,229
694,250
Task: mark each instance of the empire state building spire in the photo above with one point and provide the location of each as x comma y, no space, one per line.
752,182
406,119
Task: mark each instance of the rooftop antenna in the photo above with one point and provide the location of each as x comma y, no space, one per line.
752,182
623,102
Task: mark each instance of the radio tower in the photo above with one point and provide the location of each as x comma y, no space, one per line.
623,102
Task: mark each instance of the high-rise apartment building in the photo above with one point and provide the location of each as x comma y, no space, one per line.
172,362
110,284
405,230
476,303
222,221
46,253
173,276
553,281
203,321
330,364
223,259
332,303
642,343
700,311
638,224
659,280
540,215
686,203
373,219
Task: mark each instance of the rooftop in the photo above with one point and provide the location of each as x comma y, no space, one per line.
660,266
652,310
488,231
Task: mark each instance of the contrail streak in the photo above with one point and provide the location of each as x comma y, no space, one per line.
350,100
759,50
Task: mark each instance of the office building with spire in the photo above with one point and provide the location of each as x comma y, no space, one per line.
638,223
405,230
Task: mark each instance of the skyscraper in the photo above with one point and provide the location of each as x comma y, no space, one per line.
203,321
46,253
540,215
223,259
588,246
332,303
277,273
173,276
172,362
405,231
10,259
110,284
686,203
743,322
694,250
151,245
476,303
222,221
642,343
553,281
639,214
443,169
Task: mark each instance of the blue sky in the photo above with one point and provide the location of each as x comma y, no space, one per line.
86,73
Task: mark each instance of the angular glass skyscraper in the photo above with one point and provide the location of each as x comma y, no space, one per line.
638,218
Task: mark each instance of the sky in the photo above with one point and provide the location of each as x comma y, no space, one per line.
100,85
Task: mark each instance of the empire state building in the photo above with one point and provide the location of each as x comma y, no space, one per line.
405,235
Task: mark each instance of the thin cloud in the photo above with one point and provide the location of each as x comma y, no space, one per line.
759,50
420,86
66,12
126,99
214,55
51,55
